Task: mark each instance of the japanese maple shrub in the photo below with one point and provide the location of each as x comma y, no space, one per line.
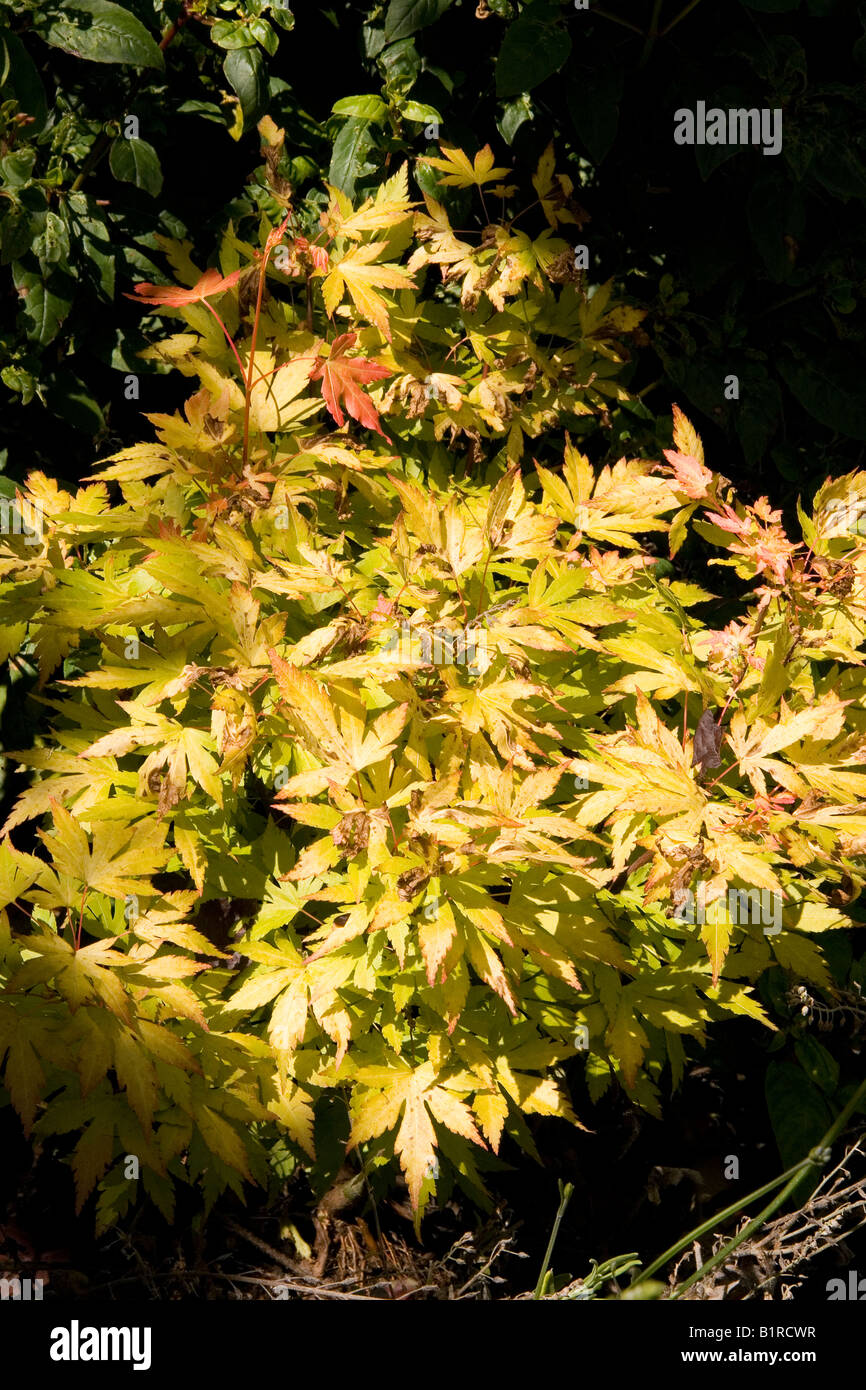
334,645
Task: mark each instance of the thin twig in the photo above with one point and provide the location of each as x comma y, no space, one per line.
617,19
270,1250
652,35
677,18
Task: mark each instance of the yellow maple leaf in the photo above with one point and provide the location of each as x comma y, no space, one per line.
399,1092
627,1041
458,170
553,189
389,207
359,272
118,862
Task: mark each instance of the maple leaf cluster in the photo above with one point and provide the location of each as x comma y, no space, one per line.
447,875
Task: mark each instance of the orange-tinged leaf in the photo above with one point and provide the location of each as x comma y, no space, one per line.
342,378
487,964
692,478
415,1144
310,705
174,295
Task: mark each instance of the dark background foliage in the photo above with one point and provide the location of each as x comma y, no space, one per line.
752,264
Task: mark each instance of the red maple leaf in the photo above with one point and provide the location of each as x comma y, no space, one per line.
342,379
209,283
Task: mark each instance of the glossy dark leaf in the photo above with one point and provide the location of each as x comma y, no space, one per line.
99,31
349,157
231,35
405,17
22,79
45,302
799,1114
593,103
534,48
245,70
819,1065
16,234
136,161
69,398
829,386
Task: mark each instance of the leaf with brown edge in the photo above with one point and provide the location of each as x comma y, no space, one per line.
436,937
310,706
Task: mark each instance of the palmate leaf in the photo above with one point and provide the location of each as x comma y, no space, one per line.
336,735
389,207
118,863
278,396
180,752
342,378
459,170
361,273
440,245
617,505
79,975
396,1092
